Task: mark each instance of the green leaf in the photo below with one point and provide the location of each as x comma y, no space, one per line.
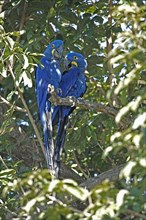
26,63
6,173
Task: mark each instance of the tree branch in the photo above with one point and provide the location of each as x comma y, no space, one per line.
72,101
78,165
29,113
67,173
110,41
8,212
17,108
84,104
23,17
135,214
111,175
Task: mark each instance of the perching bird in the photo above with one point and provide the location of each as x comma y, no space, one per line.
73,83
49,73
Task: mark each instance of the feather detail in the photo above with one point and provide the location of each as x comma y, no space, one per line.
73,83
48,73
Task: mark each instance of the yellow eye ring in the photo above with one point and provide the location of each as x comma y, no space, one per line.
53,45
75,57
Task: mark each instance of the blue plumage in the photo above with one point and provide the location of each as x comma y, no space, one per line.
48,73
73,83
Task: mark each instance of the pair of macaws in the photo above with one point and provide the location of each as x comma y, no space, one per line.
71,83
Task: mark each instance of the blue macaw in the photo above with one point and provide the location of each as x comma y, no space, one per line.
73,83
48,73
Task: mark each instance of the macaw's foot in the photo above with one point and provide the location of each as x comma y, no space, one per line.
51,88
58,91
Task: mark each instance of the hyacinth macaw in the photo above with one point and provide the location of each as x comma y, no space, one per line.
73,83
49,73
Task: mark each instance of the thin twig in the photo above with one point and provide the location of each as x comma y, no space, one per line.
98,144
2,206
17,108
110,41
111,77
28,112
136,214
3,162
22,20
78,164
10,66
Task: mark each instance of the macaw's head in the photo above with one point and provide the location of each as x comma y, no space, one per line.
54,50
73,59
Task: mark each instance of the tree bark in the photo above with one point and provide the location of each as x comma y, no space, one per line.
110,175
85,104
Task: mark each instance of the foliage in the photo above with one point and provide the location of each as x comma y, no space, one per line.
95,142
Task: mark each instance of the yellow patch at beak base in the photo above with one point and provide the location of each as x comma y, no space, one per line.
74,63
53,51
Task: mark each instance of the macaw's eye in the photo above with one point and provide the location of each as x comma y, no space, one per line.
75,57
53,45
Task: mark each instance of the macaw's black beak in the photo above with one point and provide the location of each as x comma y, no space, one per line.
70,64
58,52
67,63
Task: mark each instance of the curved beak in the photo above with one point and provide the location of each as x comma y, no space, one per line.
58,52
68,63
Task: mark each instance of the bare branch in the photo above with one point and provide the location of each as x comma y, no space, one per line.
17,108
84,104
72,101
67,173
78,165
111,175
3,162
135,214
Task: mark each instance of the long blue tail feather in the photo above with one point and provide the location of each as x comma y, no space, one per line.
60,140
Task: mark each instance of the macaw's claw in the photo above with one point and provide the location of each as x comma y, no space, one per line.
51,88
59,91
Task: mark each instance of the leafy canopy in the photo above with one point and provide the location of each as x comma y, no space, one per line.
96,141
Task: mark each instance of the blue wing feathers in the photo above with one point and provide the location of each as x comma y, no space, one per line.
55,115
73,83
68,80
48,73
